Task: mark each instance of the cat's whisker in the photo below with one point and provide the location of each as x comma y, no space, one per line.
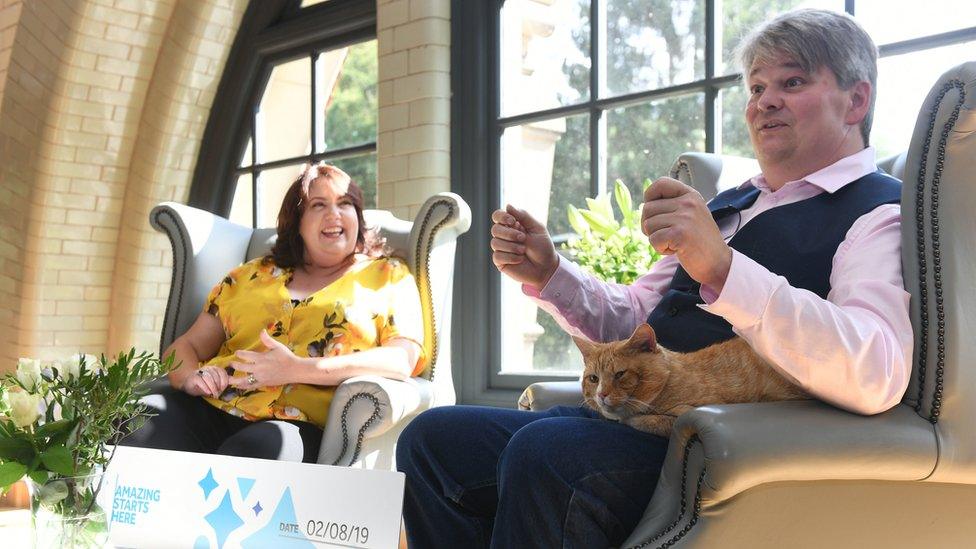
636,405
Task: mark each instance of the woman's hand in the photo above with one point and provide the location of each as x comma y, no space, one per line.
276,366
207,381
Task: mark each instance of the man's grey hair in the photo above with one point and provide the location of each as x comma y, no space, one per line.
813,39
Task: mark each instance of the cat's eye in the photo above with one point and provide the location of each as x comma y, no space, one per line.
592,378
619,374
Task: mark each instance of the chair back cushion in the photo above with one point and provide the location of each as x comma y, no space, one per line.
205,247
939,261
711,173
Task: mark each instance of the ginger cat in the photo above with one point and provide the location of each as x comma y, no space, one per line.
647,386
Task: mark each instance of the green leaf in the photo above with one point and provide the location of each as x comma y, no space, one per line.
58,460
15,448
603,205
11,472
599,223
645,184
624,201
39,477
52,492
54,428
576,221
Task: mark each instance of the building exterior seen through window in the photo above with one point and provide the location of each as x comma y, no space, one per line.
576,114
318,107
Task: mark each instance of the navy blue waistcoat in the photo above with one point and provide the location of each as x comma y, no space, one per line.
796,241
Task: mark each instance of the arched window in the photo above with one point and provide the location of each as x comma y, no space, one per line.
300,86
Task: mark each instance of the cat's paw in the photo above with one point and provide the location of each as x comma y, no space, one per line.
659,425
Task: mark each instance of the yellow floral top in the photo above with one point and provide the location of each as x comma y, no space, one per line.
374,301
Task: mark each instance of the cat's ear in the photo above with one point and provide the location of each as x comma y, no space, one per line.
643,340
585,346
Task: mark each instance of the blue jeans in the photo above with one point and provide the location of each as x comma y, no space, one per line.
494,477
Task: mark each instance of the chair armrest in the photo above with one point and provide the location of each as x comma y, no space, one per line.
717,452
546,394
365,407
441,220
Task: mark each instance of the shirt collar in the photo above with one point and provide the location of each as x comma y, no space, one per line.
833,177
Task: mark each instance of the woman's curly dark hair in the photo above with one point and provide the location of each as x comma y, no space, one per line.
289,250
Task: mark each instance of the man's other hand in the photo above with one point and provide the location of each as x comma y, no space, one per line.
521,247
677,221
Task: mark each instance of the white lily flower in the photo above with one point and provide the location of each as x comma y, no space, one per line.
29,372
25,408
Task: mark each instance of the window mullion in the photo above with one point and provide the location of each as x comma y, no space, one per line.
598,80
313,117
598,151
254,162
712,52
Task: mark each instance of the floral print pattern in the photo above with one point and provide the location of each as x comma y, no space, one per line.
352,314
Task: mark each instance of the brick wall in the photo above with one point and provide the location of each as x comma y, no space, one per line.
102,106
413,39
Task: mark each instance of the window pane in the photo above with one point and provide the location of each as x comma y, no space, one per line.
362,170
897,20
283,117
903,83
643,141
544,57
240,210
272,185
545,166
735,133
647,47
346,87
739,17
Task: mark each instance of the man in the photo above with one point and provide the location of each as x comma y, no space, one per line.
802,261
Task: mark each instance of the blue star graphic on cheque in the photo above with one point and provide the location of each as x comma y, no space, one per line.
207,484
270,535
224,520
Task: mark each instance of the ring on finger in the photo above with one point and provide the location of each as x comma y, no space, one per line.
251,379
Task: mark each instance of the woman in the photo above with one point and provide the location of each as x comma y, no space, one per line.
259,366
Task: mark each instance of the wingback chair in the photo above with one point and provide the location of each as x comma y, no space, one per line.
805,474
367,413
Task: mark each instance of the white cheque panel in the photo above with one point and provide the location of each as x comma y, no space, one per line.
158,498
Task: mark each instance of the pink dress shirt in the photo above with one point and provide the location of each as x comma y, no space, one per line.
853,350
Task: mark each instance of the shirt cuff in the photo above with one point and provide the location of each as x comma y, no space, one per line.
745,294
562,286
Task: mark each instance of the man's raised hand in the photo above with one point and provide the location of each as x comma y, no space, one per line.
521,247
677,221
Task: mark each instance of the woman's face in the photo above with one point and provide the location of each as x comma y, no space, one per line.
329,226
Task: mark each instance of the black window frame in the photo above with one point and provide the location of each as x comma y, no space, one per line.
271,32
476,132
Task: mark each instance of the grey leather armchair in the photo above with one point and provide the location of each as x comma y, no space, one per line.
367,412
805,474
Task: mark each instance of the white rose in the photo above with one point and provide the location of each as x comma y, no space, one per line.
66,368
29,372
25,408
72,367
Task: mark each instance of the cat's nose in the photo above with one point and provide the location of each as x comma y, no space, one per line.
602,395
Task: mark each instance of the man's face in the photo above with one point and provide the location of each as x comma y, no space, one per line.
796,119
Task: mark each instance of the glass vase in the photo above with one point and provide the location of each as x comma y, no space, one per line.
65,513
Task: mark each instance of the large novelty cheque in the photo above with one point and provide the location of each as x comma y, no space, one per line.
158,498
